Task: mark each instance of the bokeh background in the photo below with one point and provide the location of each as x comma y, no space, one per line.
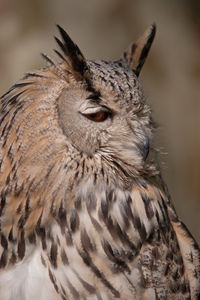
103,29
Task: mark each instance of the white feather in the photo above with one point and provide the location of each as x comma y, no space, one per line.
27,280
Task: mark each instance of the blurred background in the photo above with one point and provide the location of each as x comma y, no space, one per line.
170,77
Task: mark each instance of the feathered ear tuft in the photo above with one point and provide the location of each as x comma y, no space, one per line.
72,55
137,52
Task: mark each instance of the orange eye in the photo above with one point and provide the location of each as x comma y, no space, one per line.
99,116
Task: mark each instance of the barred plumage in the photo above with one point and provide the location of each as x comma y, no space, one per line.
84,212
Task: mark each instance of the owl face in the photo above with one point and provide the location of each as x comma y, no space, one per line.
110,118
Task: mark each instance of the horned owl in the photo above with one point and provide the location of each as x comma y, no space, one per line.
84,212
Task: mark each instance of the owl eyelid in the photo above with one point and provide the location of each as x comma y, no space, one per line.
94,110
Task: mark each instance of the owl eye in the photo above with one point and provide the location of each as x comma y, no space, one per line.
99,116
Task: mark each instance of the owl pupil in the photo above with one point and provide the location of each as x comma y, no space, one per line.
93,116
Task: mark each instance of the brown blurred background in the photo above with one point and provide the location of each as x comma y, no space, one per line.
102,29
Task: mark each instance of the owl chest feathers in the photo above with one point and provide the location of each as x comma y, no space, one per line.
104,242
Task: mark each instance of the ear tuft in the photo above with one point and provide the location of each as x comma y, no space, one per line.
137,52
72,55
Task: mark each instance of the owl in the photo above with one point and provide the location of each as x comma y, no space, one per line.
84,212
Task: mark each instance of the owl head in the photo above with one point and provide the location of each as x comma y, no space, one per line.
103,112
77,108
